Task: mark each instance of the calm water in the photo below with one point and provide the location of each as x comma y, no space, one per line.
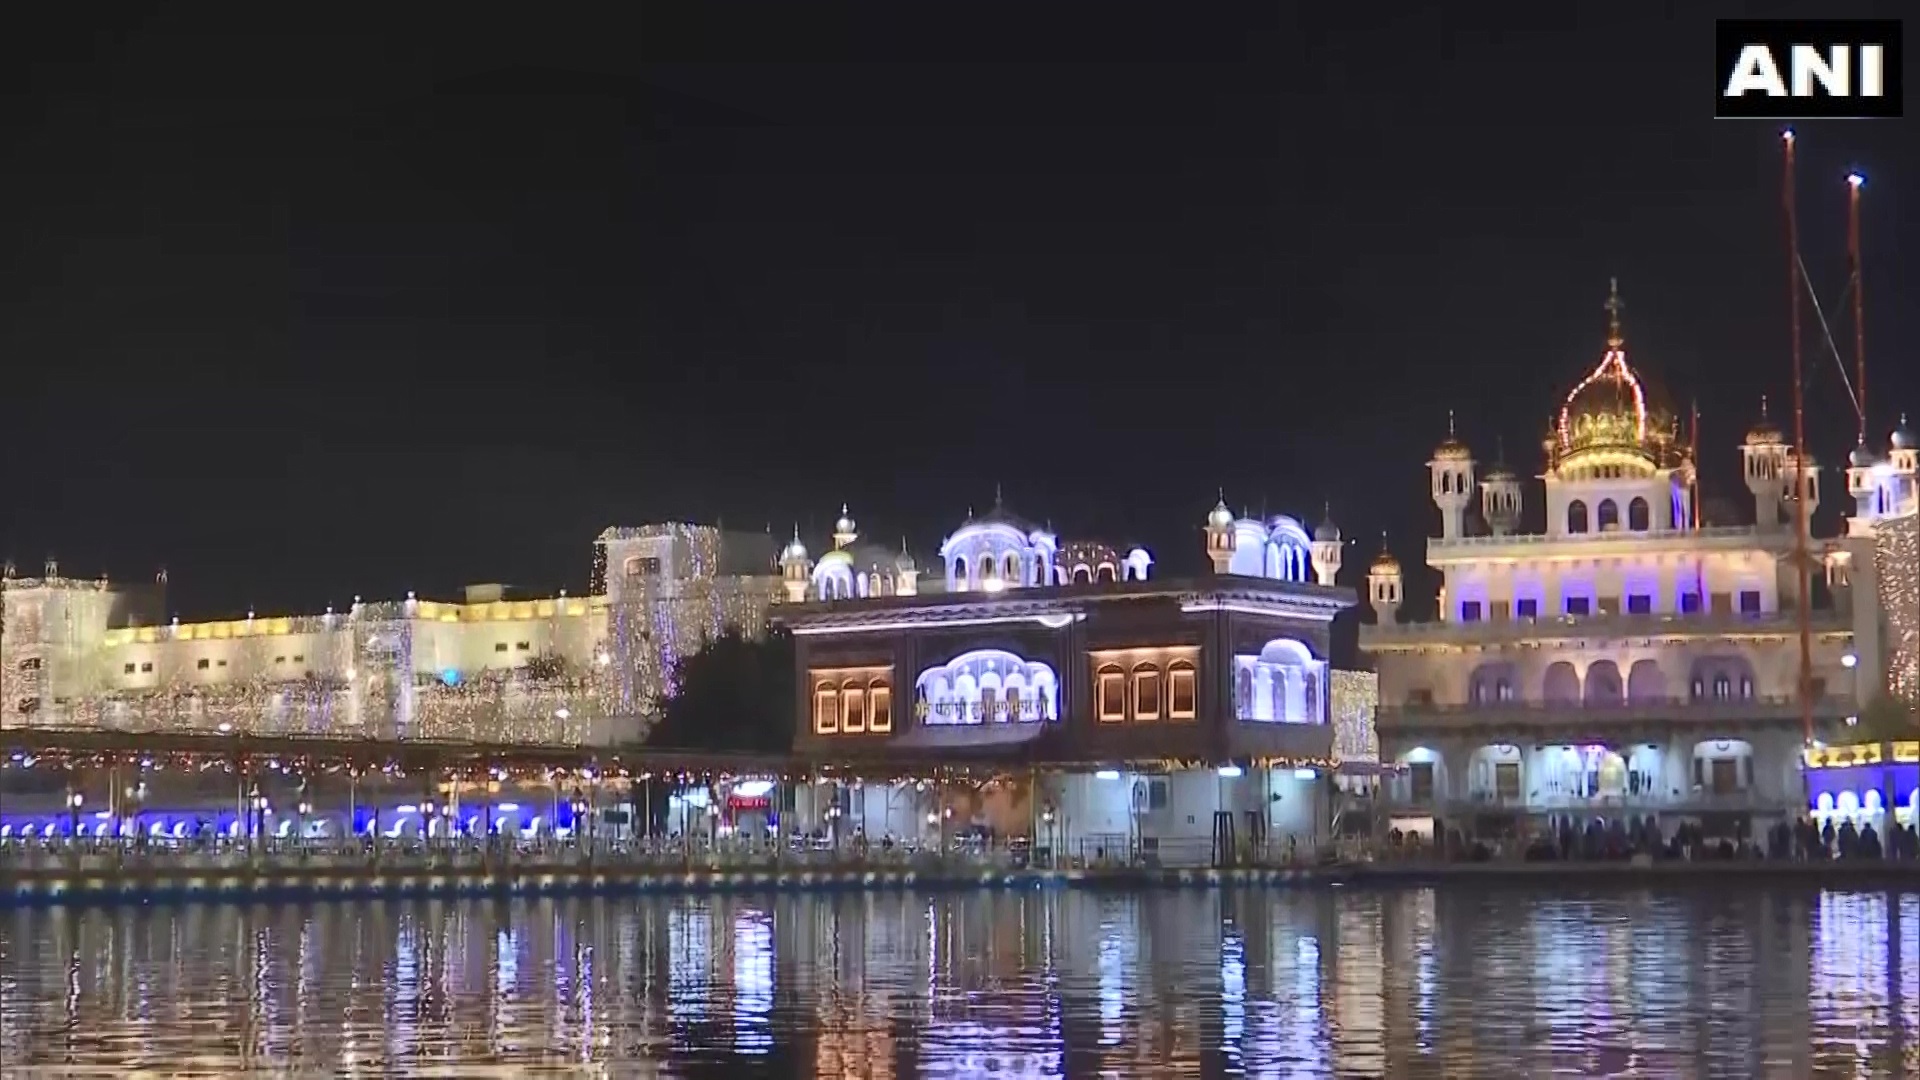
1415,983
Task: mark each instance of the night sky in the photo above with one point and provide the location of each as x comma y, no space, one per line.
305,310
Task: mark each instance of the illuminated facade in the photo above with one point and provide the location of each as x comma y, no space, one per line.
561,669
1181,699
1627,660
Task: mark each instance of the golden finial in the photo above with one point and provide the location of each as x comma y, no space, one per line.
1614,305
1450,432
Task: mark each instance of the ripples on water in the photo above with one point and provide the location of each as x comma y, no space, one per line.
1415,983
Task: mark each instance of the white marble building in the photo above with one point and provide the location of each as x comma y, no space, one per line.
492,666
1627,660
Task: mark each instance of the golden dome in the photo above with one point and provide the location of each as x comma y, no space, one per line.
1385,563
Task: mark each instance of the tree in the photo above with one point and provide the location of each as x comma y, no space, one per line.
1886,719
735,695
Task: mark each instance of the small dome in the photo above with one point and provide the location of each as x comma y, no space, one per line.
1902,437
837,557
1221,517
1502,472
1385,563
795,551
1327,531
846,524
1452,450
1863,456
1765,433
904,563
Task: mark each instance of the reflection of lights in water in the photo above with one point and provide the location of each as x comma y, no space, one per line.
1233,994
403,993
1853,978
752,981
689,962
1114,963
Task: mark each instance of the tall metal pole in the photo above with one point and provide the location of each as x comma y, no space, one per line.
1854,181
1801,557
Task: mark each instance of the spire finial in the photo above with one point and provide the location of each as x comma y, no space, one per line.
843,510
1763,406
996,494
1615,306
1500,449
1450,432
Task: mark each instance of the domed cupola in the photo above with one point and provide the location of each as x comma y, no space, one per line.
1902,437
1220,517
1764,431
845,532
1326,531
1862,456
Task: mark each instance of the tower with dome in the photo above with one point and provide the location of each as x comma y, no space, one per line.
1622,660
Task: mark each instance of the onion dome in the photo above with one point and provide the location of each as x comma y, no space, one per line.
1863,456
1902,438
1764,431
795,551
1327,531
903,562
1221,517
845,524
1500,472
1385,563
1451,449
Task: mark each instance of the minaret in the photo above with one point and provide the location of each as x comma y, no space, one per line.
1326,548
1220,535
907,572
1452,469
1383,585
795,569
1766,466
1812,474
844,533
1862,484
1500,498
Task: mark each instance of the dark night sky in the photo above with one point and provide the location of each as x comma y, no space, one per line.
303,310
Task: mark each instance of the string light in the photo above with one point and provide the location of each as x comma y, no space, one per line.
1897,558
1355,697
373,672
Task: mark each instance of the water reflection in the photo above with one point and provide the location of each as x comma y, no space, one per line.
1413,983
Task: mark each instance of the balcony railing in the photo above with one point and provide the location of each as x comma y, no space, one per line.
1686,802
1776,537
1678,710
1612,624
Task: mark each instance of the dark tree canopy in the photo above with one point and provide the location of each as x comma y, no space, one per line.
1886,719
734,695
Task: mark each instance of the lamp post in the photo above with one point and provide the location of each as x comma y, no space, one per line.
257,818
75,801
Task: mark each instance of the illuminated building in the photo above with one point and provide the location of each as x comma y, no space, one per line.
1181,710
1629,660
492,667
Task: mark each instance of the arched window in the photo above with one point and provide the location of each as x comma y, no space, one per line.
1722,688
1011,569
1503,690
1639,515
1110,693
1746,688
1576,516
853,708
960,571
1082,576
1609,515
879,707
826,709
1105,573
1146,692
1182,695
